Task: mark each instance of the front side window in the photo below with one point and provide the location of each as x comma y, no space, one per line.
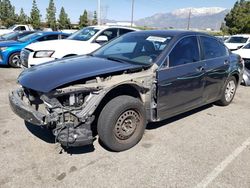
186,51
213,48
110,33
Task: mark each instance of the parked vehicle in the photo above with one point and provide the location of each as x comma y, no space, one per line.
244,52
141,77
16,28
10,50
82,42
237,41
15,35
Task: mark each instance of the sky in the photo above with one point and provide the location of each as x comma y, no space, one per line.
119,10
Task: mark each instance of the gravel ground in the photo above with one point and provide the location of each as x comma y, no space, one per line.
208,147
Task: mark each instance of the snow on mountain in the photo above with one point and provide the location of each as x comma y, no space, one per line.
201,18
184,12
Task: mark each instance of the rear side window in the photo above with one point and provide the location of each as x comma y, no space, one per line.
213,48
186,51
124,31
48,37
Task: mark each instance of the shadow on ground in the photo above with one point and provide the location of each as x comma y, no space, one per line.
47,136
176,118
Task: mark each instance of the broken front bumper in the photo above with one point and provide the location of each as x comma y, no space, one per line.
25,111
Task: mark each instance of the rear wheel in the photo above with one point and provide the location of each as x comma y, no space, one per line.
14,60
121,123
228,92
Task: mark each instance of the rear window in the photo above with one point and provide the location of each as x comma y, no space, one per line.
237,40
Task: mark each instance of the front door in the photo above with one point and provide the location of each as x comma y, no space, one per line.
181,83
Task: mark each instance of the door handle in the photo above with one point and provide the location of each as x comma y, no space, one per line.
200,69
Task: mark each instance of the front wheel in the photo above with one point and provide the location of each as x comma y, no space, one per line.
121,123
14,60
228,92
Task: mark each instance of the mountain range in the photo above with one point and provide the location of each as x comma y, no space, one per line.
200,18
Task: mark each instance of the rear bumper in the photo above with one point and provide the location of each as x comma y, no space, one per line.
23,110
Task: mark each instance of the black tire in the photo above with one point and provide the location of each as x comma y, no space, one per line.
14,60
228,92
121,123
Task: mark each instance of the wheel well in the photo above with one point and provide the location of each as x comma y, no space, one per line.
125,89
236,76
16,52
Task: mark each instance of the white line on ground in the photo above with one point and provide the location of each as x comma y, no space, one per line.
221,167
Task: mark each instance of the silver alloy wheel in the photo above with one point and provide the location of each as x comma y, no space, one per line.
16,60
127,124
230,90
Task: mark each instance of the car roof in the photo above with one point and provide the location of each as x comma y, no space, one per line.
50,32
173,33
113,26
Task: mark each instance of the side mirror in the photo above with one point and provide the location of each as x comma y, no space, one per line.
102,39
239,47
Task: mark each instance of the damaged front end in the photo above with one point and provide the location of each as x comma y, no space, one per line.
70,110
57,112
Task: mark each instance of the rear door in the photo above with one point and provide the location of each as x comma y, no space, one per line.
181,84
216,57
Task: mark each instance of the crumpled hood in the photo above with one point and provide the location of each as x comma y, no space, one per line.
51,75
9,43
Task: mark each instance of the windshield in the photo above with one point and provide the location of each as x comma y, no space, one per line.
237,40
12,27
137,48
9,36
29,37
84,34
247,46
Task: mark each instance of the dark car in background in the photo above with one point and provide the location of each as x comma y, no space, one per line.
140,77
15,35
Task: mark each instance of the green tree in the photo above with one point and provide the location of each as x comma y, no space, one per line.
22,18
8,16
94,22
83,20
238,19
35,17
51,15
63,21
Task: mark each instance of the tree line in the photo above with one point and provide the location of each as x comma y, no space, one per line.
9,17
238,19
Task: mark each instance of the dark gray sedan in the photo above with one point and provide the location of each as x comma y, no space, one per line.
141,77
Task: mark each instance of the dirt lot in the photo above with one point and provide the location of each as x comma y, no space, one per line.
208,147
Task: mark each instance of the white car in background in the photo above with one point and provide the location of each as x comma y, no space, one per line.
244,52
237,41
81,42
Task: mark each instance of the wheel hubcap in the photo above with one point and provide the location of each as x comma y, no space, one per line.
126,124
16,60
230,90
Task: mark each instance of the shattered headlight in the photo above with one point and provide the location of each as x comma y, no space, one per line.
44,53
